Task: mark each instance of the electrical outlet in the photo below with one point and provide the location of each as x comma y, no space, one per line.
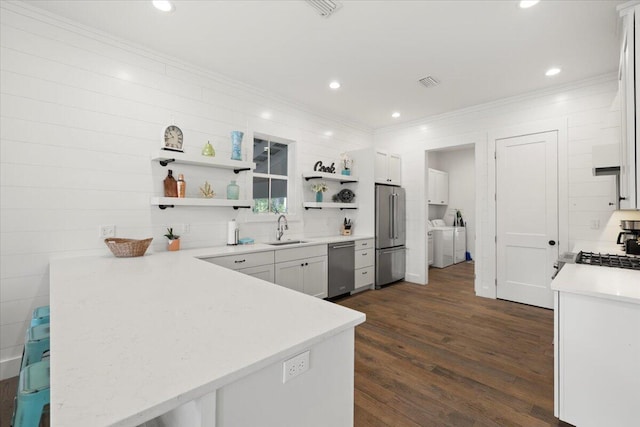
185,229
105,231
595,224
295,366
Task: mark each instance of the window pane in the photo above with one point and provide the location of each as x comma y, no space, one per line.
279,195
261,194
260,155
278,159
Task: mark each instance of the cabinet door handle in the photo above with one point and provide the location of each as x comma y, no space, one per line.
364,272
306,263
364,254
239,261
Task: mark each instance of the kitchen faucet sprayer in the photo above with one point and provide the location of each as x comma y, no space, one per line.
281,228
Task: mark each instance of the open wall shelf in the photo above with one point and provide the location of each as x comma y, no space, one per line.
343,179
165,157
170,202
328,205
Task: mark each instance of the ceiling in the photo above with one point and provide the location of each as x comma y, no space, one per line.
479,50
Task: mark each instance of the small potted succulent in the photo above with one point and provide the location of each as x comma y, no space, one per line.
174,241
319,189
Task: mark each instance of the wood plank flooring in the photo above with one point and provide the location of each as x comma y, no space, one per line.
437,355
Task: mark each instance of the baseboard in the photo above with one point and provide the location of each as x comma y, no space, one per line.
10,368
414,278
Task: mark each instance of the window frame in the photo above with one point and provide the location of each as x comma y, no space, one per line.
289,178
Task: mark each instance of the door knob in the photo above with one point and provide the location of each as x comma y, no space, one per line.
552,242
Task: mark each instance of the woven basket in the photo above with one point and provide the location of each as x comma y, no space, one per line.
123,248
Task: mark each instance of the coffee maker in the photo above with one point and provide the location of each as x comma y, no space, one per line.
629,238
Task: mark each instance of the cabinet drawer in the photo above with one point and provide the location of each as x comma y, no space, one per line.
364,277
364,244
364,258
236,262
283,255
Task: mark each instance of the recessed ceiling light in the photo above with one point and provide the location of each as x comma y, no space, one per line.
552,71
526,4
328,133
423,128
334,85
395,115
266,115
163,5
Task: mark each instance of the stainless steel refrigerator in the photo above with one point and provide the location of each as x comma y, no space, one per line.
390,234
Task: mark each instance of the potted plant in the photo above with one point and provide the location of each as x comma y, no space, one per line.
347,163
319,188
174,241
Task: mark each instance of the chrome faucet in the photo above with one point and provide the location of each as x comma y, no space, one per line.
281,227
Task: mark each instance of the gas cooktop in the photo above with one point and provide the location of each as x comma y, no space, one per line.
606,260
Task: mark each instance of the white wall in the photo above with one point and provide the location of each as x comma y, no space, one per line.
81,114
583,110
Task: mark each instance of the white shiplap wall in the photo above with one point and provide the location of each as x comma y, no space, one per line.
81,114
587,117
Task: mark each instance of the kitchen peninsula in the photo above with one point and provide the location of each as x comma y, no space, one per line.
597,337
171,335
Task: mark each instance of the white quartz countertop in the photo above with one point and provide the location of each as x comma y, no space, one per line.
133,338
215,251
605,282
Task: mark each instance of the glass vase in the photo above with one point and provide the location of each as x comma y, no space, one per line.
236,145
319,197
233,191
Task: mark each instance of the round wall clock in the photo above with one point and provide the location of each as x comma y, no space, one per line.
173,138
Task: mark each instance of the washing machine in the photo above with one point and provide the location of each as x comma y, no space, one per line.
450,243
443,251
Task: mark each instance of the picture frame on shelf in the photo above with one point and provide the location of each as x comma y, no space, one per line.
173,139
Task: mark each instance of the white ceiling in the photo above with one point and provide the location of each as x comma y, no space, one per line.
479,50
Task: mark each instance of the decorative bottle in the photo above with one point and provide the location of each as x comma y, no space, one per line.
170,185
236,145
233,191
182,186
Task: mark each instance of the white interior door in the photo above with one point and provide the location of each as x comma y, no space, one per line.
527,217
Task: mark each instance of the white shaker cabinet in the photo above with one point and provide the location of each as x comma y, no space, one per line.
364,264
258,264
438,187
387,168
629,80
303,269
597,354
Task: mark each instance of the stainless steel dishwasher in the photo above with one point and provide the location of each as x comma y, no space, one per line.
341,268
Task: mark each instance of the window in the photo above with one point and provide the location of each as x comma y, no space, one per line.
271,176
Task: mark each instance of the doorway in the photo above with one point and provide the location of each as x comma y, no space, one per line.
526,217
451,198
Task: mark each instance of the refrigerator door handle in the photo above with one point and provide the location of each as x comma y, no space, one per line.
395,215
392,222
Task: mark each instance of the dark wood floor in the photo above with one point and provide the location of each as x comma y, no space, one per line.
437,355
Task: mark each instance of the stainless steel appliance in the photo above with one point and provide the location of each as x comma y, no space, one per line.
603,260
341,268
390,234
629,238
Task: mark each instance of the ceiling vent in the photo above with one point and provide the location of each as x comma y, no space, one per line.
325,7
428,82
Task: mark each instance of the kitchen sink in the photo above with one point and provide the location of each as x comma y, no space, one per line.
286,242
